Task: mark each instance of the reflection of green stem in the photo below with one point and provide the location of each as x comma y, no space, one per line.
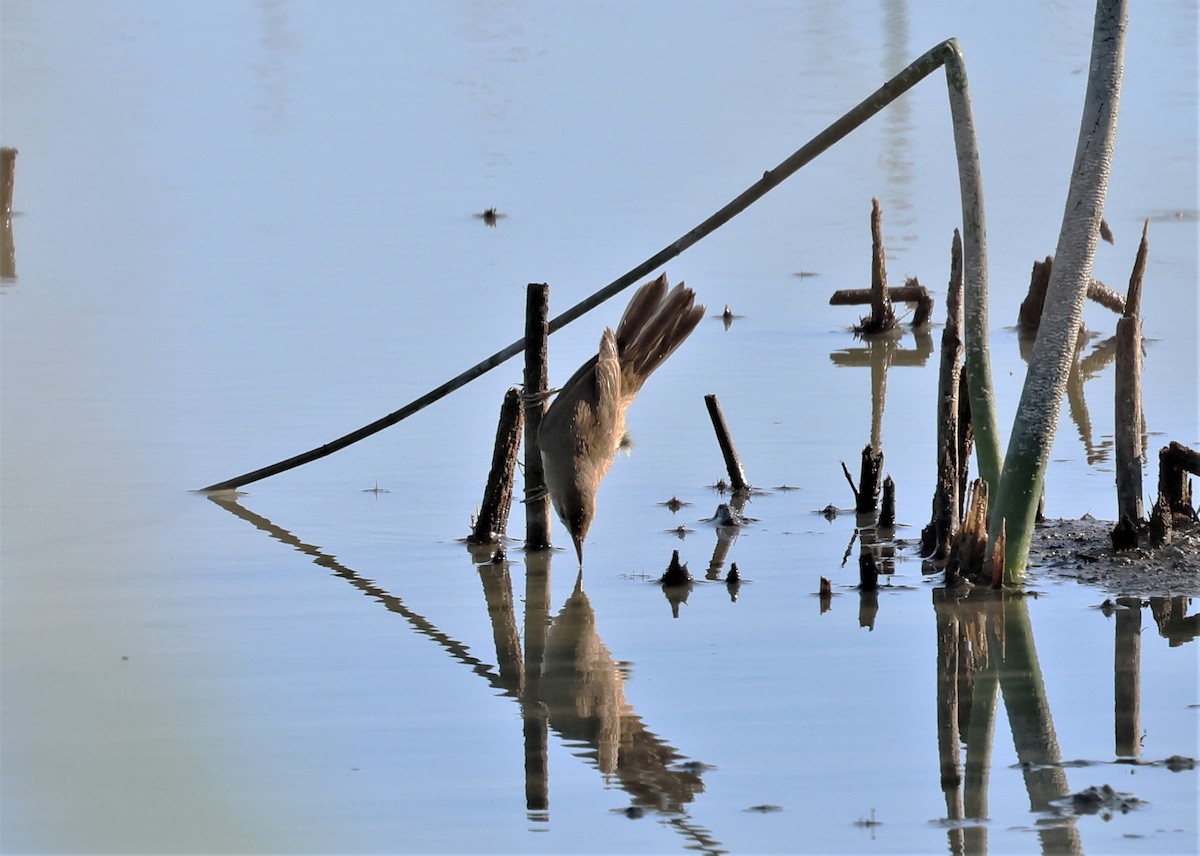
1032,725
1045,382
979,738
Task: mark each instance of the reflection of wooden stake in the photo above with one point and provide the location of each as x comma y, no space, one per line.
535,715
1128,415
868,571
497,590
737,476
949,665
497,495
537,500
1127,709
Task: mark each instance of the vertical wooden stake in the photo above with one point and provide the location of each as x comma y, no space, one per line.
1128,403
946,503
537,500
737,476
8,172
883,316
497,495
867,497
8,250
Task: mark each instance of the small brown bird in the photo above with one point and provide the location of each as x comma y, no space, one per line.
585,424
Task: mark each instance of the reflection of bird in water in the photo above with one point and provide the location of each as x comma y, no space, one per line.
584,694
585,424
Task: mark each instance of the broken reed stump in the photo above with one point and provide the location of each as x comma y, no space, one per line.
936,537
8,174
676,574
492,521
1175,461
1128,400
883,316
966,441
887,507
733,464
866,496
1029,316
537,499
969,549
996,558
911,292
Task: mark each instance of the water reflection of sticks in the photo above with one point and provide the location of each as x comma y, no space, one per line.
1083,369
565,680
880,353
986,650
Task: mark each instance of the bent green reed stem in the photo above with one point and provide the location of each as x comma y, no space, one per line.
975,279
919,69
1054,349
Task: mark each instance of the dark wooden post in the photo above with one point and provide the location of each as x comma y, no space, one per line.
1128,404
737,476
537,500
497,494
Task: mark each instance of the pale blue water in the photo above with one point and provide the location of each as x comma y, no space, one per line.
245,229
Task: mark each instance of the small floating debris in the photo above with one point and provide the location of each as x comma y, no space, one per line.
765,808
727,317
805,274
674,504
489,216
867,822
376,490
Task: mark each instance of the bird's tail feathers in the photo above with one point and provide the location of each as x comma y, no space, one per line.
655,323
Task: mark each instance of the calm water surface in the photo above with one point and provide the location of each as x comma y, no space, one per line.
244,229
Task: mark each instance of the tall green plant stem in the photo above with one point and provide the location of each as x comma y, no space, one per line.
975,279
1054,350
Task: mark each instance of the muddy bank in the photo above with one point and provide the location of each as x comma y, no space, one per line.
1082,550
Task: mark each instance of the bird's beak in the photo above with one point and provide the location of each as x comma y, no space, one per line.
578,548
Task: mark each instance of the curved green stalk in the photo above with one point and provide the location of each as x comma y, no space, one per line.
1054,350
975,281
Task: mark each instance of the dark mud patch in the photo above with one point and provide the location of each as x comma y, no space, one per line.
1082,550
